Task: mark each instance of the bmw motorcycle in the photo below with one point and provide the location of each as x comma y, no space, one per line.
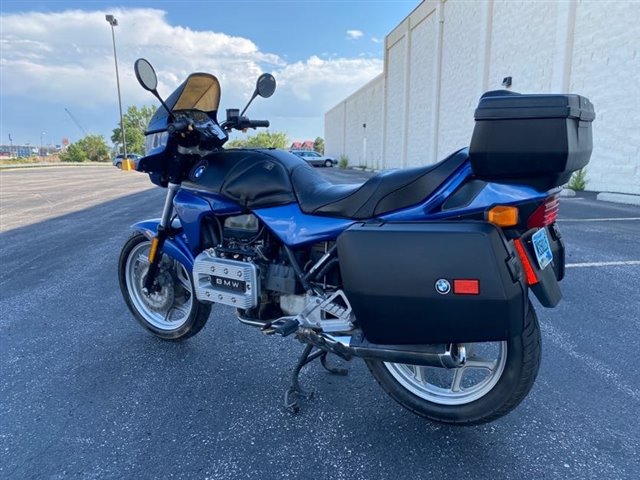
424,273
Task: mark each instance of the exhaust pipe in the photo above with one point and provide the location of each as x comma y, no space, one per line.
437,355
451,355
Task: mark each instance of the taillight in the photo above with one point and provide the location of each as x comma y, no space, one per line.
545,214
530,273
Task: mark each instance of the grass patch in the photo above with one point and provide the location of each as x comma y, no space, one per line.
578,180
18,161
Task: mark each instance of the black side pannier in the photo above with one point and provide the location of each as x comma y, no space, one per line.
538,140
432,282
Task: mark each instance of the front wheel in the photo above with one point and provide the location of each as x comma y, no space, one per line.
496,377
173,312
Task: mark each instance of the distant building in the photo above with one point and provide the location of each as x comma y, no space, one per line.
305,145
23,151
445,54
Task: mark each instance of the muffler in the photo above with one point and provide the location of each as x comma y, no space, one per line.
450,355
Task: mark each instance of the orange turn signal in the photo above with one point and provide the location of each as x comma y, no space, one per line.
503,216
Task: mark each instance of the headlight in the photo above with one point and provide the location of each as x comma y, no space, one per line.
155,143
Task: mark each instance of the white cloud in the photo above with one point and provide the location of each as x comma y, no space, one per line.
354,34
67,57
376,40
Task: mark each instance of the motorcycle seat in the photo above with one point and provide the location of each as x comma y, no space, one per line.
385,192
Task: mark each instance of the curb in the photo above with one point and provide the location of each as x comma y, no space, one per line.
59,164
567,192
625,198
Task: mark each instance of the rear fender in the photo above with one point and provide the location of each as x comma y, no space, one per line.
174,246
546,288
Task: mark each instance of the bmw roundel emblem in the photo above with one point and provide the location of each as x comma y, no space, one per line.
443,286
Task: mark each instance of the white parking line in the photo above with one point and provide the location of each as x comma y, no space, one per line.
618,219
602,264
565,343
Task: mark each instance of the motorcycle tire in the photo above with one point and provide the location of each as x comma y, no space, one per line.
156,312
497,397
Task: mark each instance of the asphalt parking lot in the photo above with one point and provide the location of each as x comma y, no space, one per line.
86,393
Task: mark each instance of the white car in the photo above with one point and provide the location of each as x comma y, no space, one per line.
314,158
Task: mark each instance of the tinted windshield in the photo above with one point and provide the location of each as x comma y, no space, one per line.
200,91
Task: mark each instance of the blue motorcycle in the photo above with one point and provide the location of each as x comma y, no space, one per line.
424,273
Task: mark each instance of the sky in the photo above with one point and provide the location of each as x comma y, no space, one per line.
57,55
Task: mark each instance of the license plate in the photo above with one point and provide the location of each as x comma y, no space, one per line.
542,248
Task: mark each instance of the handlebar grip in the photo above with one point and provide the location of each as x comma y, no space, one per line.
259,123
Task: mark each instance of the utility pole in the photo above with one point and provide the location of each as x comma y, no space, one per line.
114,23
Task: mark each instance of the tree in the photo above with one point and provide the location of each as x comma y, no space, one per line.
261,140
91,148
135,124
318,145
74,153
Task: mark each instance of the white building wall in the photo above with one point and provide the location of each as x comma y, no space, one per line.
461,73
335,129
445,54
362,141
523,39
606,68
422,78
395,83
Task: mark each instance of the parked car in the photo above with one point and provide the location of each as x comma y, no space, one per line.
315,159
117,160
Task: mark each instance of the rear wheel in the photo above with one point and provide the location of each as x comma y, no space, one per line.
173,312
328,163
496,377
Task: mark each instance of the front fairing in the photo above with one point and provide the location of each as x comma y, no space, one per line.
200,91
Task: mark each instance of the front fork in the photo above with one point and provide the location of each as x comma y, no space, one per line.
157,242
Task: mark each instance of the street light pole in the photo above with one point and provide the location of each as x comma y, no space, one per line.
42,145
114,22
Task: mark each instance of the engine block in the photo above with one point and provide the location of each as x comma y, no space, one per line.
228,282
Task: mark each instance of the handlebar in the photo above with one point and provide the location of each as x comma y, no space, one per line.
242,123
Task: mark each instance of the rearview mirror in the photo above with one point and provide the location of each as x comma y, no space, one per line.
146,75
266,85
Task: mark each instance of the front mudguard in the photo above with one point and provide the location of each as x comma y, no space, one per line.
174,246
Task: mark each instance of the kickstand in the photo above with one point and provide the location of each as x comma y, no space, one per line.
295,391
329,368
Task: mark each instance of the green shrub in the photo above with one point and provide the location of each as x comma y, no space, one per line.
75,153
578,180
261,140
344,162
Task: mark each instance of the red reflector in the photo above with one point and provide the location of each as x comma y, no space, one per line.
545,214
466,287
530,273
